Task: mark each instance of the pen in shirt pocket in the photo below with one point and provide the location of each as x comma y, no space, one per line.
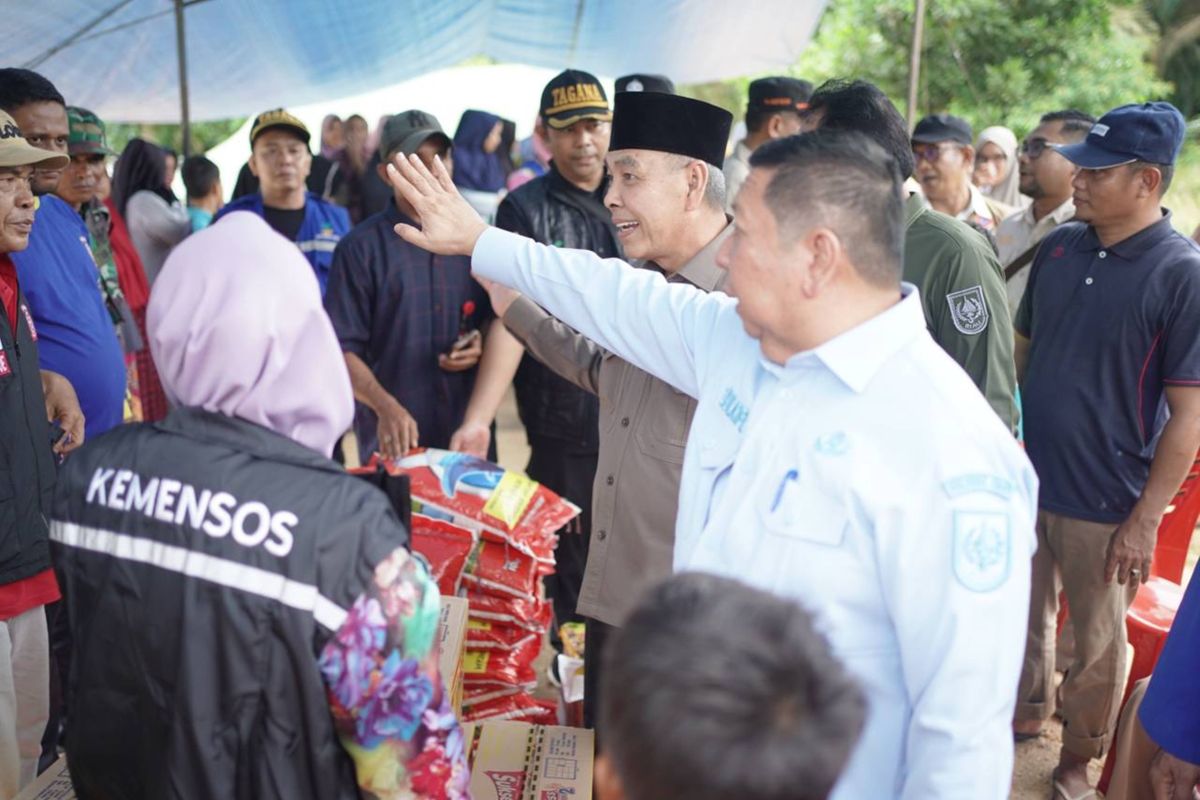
791,475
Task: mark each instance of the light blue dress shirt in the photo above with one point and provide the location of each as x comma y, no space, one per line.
867,479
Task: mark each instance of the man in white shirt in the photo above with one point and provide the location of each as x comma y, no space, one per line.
1046,176
838,456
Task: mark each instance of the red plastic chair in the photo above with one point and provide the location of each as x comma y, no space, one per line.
1149,619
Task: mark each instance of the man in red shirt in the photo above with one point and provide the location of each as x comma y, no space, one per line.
27,396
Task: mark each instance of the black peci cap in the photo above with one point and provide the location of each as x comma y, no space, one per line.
670,124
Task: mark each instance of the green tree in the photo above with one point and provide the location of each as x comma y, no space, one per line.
205,135
991,61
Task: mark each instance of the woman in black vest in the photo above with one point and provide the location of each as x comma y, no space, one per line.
248,622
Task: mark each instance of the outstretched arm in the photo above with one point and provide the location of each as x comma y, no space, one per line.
636,314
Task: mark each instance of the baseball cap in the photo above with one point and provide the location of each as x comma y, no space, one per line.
943,128
572,95
779,93
16,152
1152,132
87,135
407,131
278,118
639,82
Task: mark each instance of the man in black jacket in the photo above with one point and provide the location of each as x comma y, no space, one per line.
564,208
27,583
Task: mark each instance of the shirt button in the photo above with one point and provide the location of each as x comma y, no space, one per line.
1088,281
610,480
1103,254
602,535
625,422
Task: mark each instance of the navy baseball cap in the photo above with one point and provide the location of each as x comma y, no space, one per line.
1151,132
942,128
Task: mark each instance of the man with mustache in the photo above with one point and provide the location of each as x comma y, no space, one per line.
27,582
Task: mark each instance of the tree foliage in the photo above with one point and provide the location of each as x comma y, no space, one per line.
204,134
991,61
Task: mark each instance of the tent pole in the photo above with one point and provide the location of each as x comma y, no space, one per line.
914,64
181,52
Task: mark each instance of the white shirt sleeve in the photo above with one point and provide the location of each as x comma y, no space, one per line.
662,328
956,574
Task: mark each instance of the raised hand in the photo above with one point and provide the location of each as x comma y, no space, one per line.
449,226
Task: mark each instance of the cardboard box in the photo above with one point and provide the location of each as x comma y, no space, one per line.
53,784
452,641
519,761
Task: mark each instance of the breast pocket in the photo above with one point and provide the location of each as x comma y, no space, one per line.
612,382
666,418
804,504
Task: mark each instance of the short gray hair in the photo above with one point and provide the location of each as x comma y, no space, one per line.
714,185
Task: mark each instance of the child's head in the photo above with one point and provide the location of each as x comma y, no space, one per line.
717,691
201,178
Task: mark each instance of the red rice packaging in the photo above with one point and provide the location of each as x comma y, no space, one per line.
509,507
445,546
499,668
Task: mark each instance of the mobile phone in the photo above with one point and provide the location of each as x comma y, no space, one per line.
56,433
463,340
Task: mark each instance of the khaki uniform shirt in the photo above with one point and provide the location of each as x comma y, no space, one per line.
1017,234
644,425
962,293
736,169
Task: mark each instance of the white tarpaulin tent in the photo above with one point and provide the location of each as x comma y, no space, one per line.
119,57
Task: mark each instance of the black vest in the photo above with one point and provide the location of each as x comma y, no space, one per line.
194,671
26,460
552,211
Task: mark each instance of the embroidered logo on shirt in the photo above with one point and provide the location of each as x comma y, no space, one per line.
982,545
832,444
968,310
978,482
1058,252
735,409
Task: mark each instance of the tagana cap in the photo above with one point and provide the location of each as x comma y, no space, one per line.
87,135
279,118
16,152
1151,132
572,95
670,123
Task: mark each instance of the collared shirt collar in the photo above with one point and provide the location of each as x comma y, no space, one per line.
858,354
1058,216
702,270
1132,247
977,207
914,206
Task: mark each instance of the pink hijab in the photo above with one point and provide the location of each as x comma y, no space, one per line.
236,327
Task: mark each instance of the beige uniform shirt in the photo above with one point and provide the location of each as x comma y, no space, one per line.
1017,234
644,425
736,169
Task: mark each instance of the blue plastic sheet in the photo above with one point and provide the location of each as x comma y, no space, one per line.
119,57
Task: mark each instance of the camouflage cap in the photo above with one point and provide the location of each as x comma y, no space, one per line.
87,135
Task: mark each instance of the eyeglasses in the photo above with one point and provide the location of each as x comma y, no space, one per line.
1033,148
929,152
